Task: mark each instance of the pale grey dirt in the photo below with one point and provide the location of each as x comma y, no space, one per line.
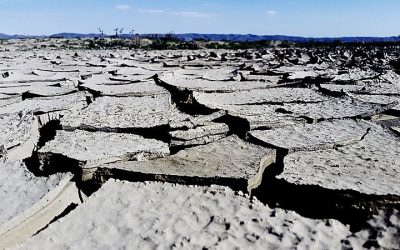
156,215
150,215
20,189
283,124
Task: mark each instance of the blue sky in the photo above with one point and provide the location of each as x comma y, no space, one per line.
286,17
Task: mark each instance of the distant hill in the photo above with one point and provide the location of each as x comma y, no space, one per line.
253,38
222,37
5,36
73,35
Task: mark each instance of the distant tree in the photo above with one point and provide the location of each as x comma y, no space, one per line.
116,32
170,36
120,31
101,32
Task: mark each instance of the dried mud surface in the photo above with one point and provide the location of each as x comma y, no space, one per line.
203,149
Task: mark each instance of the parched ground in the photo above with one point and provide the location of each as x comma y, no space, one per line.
251,149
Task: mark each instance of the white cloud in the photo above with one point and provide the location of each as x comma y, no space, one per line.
193,14
151,11
122,7
272,12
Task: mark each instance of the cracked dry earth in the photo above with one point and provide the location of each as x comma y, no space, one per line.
276,148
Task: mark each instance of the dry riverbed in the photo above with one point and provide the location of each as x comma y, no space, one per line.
205,149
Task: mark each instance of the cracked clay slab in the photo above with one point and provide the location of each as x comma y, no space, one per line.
371,166
208,86
309,137
140,88
9,99
272,96
67,103
336,108
90,149
380,99
229,158
38,89
200,135
116,113
18,136
363,88
263,116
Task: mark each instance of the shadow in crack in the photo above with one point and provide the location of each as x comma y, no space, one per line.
67,210
347,206
160,132
48,132
57,163
103,174
237,125
184,100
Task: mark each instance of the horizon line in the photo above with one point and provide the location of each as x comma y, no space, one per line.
195,33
